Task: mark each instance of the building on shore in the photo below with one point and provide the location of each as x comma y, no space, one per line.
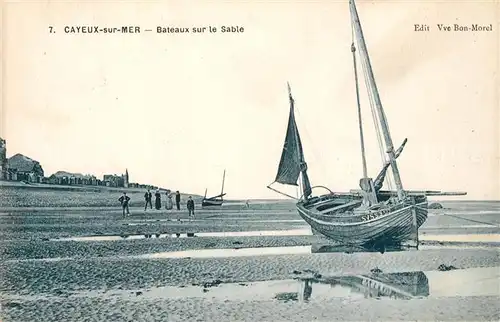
26,168
125,179
3,160
113,180
11,174
22,168
68,178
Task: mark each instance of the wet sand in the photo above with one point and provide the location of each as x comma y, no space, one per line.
152,267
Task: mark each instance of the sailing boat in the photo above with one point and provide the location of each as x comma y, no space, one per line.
360,217
215,200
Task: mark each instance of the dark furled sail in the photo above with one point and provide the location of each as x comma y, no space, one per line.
289,167
292,161
379,181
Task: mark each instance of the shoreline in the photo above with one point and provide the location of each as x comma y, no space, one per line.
46,278
105,189
102,189
17,196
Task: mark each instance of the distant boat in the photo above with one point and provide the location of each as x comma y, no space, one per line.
215,200
359,217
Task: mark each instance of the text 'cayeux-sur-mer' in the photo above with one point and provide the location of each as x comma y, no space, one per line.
138,29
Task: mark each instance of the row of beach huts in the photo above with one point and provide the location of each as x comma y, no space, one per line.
23,168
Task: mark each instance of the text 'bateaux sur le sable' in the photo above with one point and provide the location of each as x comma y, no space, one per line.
96,29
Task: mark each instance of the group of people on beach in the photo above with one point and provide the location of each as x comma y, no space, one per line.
148,197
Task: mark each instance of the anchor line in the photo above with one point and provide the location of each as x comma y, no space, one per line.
472,220
466,219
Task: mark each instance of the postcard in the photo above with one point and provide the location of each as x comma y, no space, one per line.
250,161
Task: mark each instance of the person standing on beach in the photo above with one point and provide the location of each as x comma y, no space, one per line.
178,200
124,201
158,199
147,197
190,207
168,203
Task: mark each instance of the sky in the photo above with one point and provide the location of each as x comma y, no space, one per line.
178,109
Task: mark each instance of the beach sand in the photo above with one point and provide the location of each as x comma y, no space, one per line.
146,268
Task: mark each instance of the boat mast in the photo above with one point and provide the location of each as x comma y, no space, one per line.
292,104
223,178
376,97
292,169
304,183
360,122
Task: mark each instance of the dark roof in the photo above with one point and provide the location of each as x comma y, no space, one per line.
22,163
111,176
61,174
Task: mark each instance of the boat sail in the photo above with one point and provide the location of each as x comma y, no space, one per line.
292,162
366,216
215,200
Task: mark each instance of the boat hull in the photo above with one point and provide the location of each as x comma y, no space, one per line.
392,227
211,203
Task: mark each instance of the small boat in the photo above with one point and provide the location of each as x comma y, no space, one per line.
359,217
215,200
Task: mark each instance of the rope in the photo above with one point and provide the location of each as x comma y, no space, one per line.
466,219
374,114
370,96
372,103
472,220
310,143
